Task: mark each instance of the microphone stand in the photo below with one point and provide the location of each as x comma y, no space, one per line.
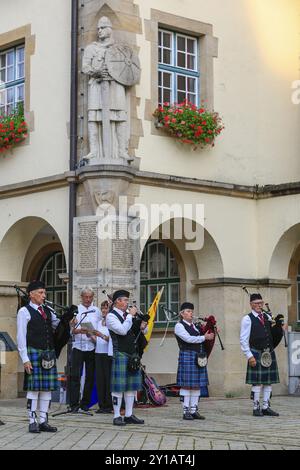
69,409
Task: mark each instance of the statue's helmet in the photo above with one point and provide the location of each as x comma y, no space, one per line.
104,22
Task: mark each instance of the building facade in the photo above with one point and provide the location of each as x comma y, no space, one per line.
241,58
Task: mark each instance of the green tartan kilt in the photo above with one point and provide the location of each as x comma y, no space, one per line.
121,379
260,375
40,380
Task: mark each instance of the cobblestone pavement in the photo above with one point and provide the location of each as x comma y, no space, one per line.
229,425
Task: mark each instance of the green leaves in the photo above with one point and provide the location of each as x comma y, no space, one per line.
188,123
13,129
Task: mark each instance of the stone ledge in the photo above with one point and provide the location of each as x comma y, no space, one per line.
240,282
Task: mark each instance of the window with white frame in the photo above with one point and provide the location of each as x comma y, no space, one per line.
12,78
159,269
178,69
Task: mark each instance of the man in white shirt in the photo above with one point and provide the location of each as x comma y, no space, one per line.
83,351
190,377
35,325
123,381
256,339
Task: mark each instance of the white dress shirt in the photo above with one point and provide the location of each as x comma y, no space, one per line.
102,346
23,319
181,332
114,324
82,342
245,334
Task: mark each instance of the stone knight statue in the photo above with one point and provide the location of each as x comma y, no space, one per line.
112,68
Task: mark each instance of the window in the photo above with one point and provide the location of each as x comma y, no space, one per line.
159,268
178,71
56,289
12,78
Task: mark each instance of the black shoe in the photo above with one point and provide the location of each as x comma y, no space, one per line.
133,420
1,423
119,421
45,427
188,416
257,412
100,411
269,412
197,416
34,428
84,408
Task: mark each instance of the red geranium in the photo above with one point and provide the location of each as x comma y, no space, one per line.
13,129
191,125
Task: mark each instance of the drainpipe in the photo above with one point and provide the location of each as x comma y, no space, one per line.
73,138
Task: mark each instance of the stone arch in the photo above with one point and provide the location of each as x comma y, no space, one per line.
17,243
283,253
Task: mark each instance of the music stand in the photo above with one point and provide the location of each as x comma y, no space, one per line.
69,366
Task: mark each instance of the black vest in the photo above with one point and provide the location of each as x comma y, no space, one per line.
39,331
183,346
260,335
123,344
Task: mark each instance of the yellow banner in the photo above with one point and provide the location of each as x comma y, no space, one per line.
152,313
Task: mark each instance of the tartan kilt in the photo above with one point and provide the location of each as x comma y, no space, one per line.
40,380
260,375
121,379
189,375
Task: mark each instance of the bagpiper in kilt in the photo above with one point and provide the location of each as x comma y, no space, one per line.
257,345
123,381
35,326
190,376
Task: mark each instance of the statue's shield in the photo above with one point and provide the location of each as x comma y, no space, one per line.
123,64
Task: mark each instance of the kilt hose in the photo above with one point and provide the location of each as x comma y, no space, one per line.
121,379
260,375
40,380
189,375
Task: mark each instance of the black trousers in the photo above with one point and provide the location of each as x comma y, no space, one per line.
103,377
78,359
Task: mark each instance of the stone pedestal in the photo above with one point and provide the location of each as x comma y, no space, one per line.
9,370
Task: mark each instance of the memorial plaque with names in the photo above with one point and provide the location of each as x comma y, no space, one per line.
87,246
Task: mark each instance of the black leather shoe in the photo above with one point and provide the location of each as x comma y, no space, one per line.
197,416
84,408
45,427
74,409
133,420
1,423
257,412
34,428
119,421
188,416
269,412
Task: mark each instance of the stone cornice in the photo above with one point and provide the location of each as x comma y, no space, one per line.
147,178
7,288
33,186
240,282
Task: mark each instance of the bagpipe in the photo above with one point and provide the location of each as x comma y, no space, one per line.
140,340
204,325
277,323
62,333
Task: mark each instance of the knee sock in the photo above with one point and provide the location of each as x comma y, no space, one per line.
194,400
117,402
129,402
256,396
185,396
32,401
45,400
267,390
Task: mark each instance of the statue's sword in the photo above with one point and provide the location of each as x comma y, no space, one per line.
106,124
